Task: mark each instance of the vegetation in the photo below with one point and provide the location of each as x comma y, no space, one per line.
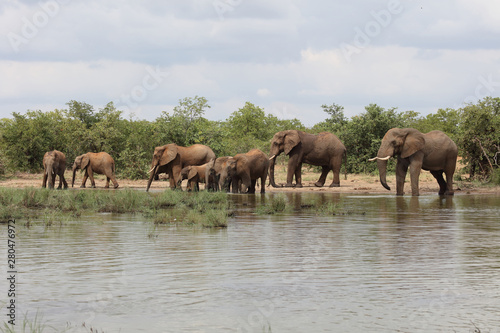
24,138
48,206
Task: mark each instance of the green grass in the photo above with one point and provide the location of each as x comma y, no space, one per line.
276,205
38,205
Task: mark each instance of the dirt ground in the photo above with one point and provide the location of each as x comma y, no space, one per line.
355,183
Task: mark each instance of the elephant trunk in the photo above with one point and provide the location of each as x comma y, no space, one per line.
271,171
382,169
151,176
74,174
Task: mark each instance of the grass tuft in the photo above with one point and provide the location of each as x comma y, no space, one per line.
50,207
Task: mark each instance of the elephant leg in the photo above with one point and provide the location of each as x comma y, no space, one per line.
292,168
442,184
107,182
263,184
60,183
113,179
85,176
415,168
91,176
298,175
64,180
175,176
449,182
322,178
251,189
335,167
401,170
44,183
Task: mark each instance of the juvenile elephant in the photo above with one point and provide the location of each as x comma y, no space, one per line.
221,182
433,151
54,164
196,174
245,169
101,163
172,158
324,149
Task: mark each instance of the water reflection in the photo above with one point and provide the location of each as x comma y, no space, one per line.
411,264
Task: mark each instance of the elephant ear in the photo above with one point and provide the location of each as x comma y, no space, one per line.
292,139
192,173
414,142
85,161
169,154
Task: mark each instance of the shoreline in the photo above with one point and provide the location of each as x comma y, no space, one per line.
355,184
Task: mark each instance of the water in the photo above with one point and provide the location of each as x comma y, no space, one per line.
399,264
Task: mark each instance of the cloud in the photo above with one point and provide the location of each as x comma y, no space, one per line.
284,56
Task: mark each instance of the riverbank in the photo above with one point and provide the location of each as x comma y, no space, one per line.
355,183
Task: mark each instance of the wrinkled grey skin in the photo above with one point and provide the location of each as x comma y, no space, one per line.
54,164
433,151
323,149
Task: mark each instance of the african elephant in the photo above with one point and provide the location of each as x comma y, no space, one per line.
172,158
101,163
245,169
323,149
54,164
220,166
198,173
433,151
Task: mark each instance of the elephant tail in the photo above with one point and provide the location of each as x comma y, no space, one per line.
345,164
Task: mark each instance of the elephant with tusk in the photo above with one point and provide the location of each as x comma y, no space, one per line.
433,151
171,159
379,158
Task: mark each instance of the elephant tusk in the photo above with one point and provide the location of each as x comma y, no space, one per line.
272,157
379,158
151,170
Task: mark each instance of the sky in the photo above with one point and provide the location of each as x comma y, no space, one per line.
288,57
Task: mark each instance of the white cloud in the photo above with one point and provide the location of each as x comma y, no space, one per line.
283,56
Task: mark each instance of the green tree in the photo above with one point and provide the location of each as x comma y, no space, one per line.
363,134
335,122
26,138
479,141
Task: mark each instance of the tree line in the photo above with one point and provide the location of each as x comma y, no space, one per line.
81,128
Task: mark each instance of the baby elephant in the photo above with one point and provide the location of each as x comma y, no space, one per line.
54,164
101,163
198,173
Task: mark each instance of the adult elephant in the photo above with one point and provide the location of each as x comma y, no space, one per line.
324,149
54,164
101,163
433,151
245,169
172,158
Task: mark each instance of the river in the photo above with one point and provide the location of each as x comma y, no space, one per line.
381,264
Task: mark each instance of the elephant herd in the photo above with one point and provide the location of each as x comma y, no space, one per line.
54,164
433,151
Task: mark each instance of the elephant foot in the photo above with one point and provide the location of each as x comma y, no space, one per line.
319,184
447,193
335,185
288,185
116,186
299,185
82,186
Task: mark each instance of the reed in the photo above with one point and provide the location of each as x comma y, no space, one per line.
49,206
